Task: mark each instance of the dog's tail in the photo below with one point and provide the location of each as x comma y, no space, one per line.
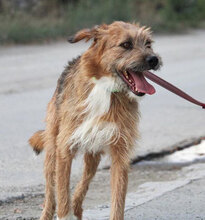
37,141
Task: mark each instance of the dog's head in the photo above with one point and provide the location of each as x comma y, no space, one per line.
124,51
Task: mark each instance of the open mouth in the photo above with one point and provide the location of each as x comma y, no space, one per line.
137,83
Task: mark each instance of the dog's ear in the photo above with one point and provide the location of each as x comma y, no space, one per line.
88,34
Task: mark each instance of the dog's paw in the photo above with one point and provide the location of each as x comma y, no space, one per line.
73,217
68,217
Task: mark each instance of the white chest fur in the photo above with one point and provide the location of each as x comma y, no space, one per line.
93,135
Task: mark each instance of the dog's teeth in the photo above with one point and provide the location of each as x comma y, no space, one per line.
136,89
125,74
130,81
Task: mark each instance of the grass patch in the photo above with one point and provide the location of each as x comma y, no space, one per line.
53,20
26,29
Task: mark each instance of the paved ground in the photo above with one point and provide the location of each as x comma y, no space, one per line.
163,191
184,203
180,196
28,77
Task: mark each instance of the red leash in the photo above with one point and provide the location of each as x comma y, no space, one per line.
172,88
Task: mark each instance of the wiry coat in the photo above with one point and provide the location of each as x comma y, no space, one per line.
92,111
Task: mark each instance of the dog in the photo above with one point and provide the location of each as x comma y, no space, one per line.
95,111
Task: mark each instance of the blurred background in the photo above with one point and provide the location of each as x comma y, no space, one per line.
23,21
34,52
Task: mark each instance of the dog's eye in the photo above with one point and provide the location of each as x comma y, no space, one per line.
148,44
127,45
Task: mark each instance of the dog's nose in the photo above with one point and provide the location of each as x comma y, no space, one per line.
152,61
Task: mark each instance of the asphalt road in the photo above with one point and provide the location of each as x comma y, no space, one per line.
183,203
28,77
178,195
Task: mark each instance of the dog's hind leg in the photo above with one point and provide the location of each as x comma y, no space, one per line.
119,179
49,142
91,162
49,169
63,169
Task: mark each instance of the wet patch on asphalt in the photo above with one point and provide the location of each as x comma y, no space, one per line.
177,147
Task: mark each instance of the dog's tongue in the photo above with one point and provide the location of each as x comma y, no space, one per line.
172,88
141,84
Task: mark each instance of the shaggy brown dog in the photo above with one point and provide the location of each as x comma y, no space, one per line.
95,110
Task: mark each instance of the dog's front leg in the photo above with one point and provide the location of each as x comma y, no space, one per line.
119,180
91,162
63,169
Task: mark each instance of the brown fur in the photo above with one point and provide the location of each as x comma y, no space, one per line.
37,142
67,111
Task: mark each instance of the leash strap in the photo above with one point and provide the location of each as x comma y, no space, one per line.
172,88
